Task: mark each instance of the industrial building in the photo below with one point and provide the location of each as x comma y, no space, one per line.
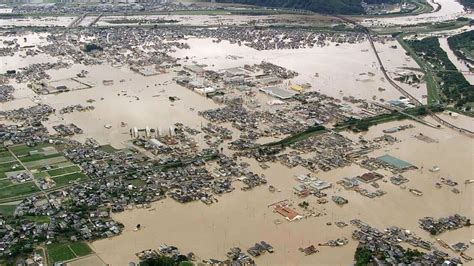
395,162
279,93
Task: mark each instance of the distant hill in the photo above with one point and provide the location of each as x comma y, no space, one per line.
348,7
319,6
372,2
467,3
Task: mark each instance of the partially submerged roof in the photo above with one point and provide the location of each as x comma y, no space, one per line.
278,92
395,162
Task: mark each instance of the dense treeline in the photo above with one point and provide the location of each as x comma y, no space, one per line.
89,47
320,6
364,256
161,260
463,45
453,83
372,2
364,124
467,3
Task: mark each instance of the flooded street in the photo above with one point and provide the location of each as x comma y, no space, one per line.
243,218
450,9
337,71
210,132
143,101
36,21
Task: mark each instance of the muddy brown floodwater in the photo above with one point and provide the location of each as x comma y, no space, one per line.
243,218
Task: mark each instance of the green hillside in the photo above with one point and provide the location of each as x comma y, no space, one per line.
320,6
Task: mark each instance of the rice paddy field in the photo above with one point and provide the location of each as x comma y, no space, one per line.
43,162
58,252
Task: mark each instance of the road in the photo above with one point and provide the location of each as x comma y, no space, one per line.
415,118
77,21
400,89
31,174
96,19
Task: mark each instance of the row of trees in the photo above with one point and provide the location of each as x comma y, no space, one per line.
161,260
467,3
453,83
461,44
364,256
373,2
364,124
320,6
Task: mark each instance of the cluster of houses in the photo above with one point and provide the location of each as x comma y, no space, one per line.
215,135
59,221
195,185
385,246
260,249
443,224
114,188
354,183
450,183
67,130
324,151
310,185
10,48
29,129
119,181
327,152
339,242
12,134
35,73
178,169
398,180
75,108
188,179
171,252
237,257
32,115
19,177
339,200
252,180
278,38
6,93
153,59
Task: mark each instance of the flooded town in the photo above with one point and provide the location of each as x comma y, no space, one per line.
186,132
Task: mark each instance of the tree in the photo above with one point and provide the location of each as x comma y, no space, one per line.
321,6
362,125
162,260
362,256
89,47
412,255
421,111
158,261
